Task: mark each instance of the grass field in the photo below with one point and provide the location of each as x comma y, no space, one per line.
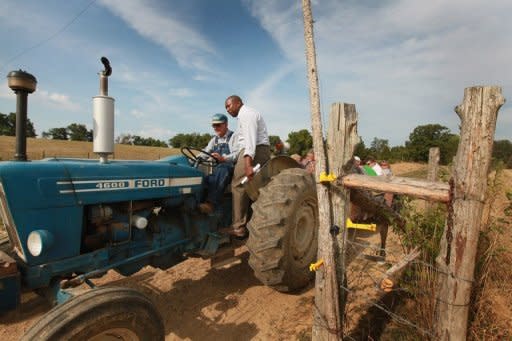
42,148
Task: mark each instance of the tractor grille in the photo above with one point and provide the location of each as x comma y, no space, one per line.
9,223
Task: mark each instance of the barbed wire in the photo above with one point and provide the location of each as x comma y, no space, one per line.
415,261
397,318
372,273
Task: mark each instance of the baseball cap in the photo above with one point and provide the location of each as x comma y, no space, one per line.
219,118
357,158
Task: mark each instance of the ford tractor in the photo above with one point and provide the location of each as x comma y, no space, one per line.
70,221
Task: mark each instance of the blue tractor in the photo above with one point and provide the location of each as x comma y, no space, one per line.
70,221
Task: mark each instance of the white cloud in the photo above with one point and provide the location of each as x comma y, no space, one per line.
402,62
265,87
7,93
55,99
184,43
181,92
137,113
155,132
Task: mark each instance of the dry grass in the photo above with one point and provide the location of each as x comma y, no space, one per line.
491,312
41,148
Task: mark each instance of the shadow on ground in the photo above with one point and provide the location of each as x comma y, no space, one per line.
183,306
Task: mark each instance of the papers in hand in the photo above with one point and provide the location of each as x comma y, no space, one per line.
255,169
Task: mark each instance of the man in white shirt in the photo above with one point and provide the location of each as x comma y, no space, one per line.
224,148
254,149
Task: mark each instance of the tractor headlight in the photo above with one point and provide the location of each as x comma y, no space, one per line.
39,241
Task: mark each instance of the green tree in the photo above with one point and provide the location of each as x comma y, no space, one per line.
8,125
274,140
398,153
502,151
380,149
77,132
190,140
300,142
361,150
56,134
149,141
427,136
124,139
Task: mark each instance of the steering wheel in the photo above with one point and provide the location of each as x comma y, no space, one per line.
193,155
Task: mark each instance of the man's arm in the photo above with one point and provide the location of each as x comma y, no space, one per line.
233,149
208,149
250,132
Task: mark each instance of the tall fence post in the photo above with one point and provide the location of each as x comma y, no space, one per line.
433,169
433,164
326,316
456,261
341,140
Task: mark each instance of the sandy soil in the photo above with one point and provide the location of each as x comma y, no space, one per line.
201,303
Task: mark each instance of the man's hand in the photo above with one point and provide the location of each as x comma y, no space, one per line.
218,157
249,170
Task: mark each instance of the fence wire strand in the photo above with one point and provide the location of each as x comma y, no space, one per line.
367,272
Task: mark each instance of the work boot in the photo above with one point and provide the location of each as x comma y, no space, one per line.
237,232
206,207
381,256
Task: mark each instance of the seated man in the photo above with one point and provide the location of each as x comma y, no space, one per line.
224,149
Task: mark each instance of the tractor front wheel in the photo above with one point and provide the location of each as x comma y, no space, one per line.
283,231
109,313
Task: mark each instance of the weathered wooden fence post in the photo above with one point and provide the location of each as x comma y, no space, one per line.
456,261
433,164
433,169
326,323
341,140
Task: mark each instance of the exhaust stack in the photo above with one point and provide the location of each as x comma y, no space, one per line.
103,116
22,83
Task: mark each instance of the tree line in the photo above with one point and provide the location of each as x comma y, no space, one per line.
415,149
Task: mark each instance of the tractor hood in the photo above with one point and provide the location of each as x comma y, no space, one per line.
50,194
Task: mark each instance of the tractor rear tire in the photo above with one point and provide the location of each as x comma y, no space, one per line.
283,231
109,313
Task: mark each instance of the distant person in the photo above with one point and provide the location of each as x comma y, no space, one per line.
297,158
279,148
308,162
254,149
357,165
374,165
224,149
386,169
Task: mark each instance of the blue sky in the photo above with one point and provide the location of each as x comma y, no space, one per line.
402,62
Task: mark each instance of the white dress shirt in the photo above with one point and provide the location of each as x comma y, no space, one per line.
252,130
378,169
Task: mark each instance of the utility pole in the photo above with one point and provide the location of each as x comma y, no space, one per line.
327,322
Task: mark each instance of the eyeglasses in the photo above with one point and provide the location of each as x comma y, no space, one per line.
216,125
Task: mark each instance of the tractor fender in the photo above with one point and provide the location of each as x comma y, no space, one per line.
271,168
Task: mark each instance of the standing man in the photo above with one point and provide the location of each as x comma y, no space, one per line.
254,148
224,149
